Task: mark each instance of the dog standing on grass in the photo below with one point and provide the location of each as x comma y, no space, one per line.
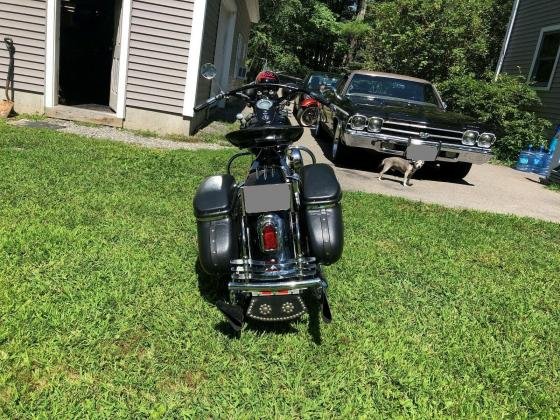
404,166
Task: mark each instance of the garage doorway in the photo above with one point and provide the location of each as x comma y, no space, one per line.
89,51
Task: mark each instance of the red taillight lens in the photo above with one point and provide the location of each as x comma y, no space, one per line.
269,239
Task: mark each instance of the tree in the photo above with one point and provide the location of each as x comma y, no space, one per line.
435,39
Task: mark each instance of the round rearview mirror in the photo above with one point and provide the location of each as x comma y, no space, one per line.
208,71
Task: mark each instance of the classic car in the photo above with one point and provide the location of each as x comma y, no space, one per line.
305,107
402,116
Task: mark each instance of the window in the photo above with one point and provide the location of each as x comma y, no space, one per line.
391,88
545,59
240,57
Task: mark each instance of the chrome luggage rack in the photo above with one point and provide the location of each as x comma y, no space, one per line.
252,275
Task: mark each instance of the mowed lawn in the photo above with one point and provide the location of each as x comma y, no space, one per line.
437,312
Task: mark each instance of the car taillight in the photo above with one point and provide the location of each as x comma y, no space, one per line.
269,238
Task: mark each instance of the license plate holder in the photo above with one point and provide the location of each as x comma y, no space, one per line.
419,150
267,198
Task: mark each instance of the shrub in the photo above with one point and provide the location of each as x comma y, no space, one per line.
508,105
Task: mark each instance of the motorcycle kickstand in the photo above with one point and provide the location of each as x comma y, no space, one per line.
234,314
321,294
325,308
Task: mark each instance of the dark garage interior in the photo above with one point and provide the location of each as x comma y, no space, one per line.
87,38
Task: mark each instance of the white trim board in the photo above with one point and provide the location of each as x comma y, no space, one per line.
123,59
51,54
505,45
544,30
193,63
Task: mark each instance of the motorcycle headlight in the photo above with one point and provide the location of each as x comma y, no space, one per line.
358,122
486,140
469,137
375,124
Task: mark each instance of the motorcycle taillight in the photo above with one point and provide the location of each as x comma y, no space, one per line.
269,238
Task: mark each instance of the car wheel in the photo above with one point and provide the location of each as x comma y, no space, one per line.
339,149
456,170
307,117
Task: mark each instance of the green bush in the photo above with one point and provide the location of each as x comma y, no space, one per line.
508,105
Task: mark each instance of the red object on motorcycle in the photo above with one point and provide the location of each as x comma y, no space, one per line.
267,77
269,239
308,102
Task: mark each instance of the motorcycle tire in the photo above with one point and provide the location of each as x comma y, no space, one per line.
306,117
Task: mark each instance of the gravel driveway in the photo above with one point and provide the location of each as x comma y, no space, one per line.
112,133
493,188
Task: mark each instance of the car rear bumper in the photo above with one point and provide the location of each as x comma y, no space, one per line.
395,145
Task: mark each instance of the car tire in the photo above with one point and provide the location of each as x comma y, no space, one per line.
339,152
306,117
456,170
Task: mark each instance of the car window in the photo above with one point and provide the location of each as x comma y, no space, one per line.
315,82
388,87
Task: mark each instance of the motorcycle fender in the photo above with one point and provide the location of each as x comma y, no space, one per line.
306,103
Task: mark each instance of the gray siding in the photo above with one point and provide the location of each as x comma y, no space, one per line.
25,22
532,15
158,54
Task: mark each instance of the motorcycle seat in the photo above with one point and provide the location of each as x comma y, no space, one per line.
320,184
214,196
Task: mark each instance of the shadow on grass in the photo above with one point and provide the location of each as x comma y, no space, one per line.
213,288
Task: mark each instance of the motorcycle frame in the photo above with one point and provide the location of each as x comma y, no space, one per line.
292,178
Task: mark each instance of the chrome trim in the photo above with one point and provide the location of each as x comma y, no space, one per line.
425,127
273,286
295,269
475,140
356,116
250,262
378,142
486,134
380,127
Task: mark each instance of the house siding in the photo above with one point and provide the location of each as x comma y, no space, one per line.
158,54
25,22
532,16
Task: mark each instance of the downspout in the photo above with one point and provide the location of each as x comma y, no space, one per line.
506,39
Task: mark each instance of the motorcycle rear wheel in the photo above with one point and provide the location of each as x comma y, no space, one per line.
307,117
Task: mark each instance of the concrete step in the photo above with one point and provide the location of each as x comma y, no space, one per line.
93,114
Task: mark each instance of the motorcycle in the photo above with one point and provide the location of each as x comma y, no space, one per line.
307,112
271,234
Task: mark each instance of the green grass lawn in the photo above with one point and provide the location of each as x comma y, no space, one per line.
554,187
437,312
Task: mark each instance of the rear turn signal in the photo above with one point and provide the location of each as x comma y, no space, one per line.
269,238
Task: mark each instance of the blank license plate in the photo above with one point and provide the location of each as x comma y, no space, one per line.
267,198
419,151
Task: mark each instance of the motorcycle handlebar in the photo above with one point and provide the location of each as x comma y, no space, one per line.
210,101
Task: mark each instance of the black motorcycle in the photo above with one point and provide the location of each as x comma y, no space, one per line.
270,234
